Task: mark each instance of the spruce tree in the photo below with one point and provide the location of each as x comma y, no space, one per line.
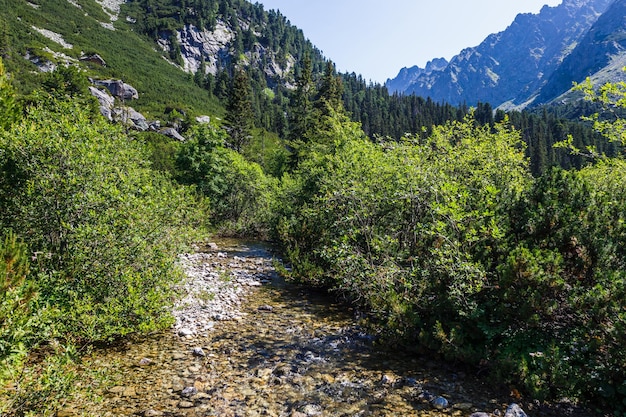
239,111
301,116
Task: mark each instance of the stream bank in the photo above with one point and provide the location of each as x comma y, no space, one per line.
245,343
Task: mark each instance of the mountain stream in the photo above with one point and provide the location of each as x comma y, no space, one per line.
246,343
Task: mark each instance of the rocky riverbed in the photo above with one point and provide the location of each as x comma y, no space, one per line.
247,344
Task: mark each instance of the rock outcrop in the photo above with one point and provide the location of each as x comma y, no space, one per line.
118,89
106,101
214,48
600,54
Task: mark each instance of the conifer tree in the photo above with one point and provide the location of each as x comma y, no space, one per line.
300,118
330,92
239,111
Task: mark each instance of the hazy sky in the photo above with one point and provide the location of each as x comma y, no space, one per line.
376,38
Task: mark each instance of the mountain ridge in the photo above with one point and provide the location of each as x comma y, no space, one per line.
509,68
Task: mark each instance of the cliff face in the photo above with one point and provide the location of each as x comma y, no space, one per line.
509,68
600,54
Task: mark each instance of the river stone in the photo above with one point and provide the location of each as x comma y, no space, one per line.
311,410
515,410
117,390
440,403
197,351
387,380
189,391
152,413
145,362
185,404
480,414
463,406
185,332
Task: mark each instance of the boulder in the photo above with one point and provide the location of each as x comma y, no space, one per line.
95,58
105,100
131,118
119,89
172,133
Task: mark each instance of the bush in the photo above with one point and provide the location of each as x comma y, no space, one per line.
409,229
239,192
16,297
104,226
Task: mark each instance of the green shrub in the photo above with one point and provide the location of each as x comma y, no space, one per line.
240,194
16,297
106,228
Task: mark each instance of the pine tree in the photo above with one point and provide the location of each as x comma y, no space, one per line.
330,92
301,112
239,111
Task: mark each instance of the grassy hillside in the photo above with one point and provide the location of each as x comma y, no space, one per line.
128,55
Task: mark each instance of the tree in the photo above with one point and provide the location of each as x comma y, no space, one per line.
329,95
301,117
239,111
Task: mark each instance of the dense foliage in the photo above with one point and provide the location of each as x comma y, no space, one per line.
449,241
90,234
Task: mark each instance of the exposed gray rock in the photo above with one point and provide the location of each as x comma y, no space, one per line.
95,58
212,46
106,102
189,391
515,410
185,332
203,119
197,351
155,126
172,133
214,49
480,414
130,117
119,89
439,403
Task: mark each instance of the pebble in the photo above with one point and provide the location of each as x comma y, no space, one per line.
185,404
145,362
185,332
515,410
387,380
480,414
197,351
189,391
439,403
152,413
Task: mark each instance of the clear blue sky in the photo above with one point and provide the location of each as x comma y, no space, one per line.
376,38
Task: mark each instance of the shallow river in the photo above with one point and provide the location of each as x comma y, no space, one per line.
286,352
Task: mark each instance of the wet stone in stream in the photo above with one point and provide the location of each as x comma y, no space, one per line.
247,344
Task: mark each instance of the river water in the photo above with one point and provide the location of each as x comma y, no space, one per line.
286,351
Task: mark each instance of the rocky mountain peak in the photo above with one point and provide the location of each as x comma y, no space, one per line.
508,68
